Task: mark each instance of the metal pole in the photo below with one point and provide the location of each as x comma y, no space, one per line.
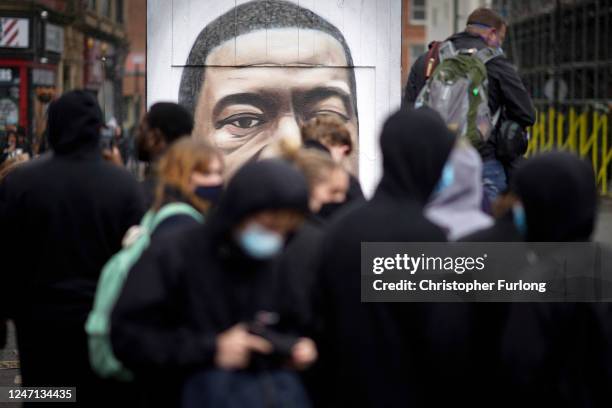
456,16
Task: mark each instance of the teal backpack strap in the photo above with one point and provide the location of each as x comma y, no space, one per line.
172,209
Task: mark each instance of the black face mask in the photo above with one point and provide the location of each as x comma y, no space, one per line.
328,210
209,193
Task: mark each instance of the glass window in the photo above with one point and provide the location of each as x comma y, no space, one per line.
418,11
105,8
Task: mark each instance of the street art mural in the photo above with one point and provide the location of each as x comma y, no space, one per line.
253,71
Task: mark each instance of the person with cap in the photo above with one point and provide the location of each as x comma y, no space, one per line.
506,94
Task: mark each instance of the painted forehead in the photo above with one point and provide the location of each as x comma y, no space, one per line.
279,46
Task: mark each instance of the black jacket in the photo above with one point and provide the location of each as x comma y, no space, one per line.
187,289
553,354
506,90
62,216
559,194
382,354
175,223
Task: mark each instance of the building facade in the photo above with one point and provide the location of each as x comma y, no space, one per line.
414,19
134,80
48,47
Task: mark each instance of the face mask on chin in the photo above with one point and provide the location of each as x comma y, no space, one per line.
446,179
519,219
259,242
209,193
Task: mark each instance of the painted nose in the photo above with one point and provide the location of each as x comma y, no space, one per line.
288,127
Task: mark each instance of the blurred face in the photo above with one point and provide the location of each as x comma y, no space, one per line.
243,109
212,177
12,140
149,142
332,190
495,38
338,152
281,222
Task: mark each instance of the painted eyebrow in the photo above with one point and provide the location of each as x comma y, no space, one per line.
261,100
317,94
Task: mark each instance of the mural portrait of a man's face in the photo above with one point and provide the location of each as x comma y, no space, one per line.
244,101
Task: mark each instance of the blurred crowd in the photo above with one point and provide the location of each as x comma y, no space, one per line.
190,289
199,287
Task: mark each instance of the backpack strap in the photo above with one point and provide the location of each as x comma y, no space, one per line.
486,54
432,58
447,50
172,209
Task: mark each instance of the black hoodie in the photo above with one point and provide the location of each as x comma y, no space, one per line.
382,354
558,354
189,288
62,216
559,195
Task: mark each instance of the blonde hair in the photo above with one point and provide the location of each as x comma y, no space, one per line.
179,162
314,164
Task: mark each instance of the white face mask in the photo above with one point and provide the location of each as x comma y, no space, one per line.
259,242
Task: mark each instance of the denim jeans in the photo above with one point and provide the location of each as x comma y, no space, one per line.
493,179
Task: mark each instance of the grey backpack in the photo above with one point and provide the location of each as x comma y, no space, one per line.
458,90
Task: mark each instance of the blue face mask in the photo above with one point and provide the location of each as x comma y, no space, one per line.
519,218
447,178
259,242
209,193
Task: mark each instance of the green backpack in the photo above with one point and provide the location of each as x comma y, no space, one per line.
458,90
114,273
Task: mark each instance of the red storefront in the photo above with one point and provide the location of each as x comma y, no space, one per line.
28,70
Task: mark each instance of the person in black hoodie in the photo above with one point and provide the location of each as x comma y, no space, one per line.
187,304
557,354
72,209
386,354
542,354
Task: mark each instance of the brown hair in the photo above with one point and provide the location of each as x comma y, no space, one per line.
179,162
327,130
486,16
314,164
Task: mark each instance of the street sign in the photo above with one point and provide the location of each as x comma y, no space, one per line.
14,32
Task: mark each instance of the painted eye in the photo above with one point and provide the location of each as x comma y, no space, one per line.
246,122
241,122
